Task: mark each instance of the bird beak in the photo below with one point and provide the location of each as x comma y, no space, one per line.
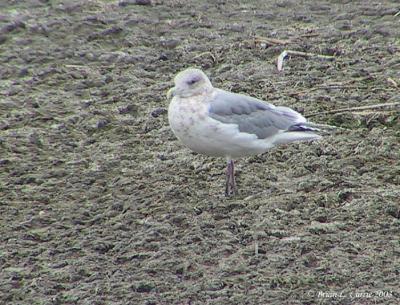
171,93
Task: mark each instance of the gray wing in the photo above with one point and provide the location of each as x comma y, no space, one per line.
254,116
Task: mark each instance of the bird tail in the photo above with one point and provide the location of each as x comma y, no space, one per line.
295,136
303,131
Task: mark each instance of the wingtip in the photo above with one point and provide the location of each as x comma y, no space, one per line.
302,127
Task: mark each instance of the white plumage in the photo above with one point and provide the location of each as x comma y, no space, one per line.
219,123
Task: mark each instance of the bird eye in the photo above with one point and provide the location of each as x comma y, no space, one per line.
192,81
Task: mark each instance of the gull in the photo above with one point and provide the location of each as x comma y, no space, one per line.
218,123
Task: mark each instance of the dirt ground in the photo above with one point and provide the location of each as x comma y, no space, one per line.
100,204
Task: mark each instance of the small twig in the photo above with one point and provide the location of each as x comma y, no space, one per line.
324,127
285,53
342,85
309,35
327,87
206,53
338,86
304,54
388,106
271,41
75,66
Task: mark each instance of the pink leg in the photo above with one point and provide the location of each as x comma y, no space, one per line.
230,186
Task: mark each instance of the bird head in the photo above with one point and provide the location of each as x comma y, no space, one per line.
190,82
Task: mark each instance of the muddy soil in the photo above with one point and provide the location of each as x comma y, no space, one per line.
100,204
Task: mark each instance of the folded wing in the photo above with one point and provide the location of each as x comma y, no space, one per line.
262,119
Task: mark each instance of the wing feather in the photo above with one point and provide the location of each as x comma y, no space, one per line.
252,115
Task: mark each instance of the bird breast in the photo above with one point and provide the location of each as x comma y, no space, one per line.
186,116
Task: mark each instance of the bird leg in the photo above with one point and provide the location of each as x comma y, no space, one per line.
230,186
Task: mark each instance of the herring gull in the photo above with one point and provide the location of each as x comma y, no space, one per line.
218,123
